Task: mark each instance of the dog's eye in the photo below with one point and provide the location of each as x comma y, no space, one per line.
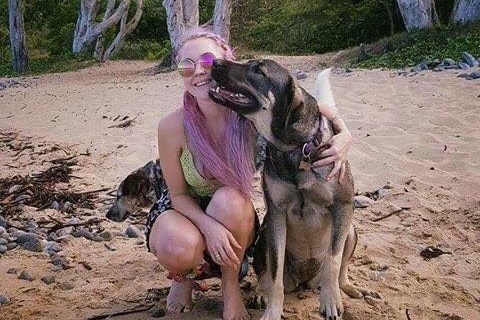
260,68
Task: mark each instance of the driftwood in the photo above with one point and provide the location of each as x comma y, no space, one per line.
121,313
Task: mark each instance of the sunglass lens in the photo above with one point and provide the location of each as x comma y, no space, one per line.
186,68
206,60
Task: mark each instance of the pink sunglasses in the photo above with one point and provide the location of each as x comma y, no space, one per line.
186,67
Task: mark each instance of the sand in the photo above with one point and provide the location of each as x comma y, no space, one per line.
418,134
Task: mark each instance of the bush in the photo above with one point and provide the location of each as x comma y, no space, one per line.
409,49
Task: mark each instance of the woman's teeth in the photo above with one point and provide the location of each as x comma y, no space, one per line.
199,84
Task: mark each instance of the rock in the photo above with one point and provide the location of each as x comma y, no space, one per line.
26,275
157,312
12,271
3,248
82,233
469,59
299,74
104,236
22,198
3,222
4,233
55,205
30,241
133,232
14,232
448,62
60,261
362,201
48,279
3,299
52,247
64,231
475,74
463,65
12,245
110,247
32,226
3,241
74,220
67,285
420,67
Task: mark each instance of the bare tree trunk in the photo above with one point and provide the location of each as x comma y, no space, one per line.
125,29
221,18
417,14
181,16
466,11
386,3
17,36
87,29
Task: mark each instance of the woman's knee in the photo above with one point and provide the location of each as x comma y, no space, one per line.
232,206
176,246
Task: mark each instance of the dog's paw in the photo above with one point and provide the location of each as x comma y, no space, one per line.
331,306
257,301
353,291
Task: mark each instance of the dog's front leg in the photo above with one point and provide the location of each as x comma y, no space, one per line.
331,306
270,283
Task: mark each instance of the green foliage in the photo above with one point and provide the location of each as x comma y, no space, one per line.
305,26
409,49
144,49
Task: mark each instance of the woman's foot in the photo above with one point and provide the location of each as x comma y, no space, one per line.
179,298
233,307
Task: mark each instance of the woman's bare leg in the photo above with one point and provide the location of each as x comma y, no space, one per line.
237,214
178,252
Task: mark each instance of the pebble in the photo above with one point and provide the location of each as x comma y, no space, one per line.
299,74
448,62
74,220
60,261
475,75
3,222
3,299
133,232
48,279
30,241
67,285
52,247
26,275
12,245
3,233
55,205
104,236
110,247
64,231
22,198
82,233
3,249
12,271
157,312
362,201
463,65
3,241
420,67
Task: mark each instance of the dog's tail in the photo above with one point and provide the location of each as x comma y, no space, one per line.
323,92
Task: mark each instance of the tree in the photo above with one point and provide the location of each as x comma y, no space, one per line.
418,14
17,36
466,11
182,15
88,30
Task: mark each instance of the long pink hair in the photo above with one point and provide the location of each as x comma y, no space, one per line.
231,161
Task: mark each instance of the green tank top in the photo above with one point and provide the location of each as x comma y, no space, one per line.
198,185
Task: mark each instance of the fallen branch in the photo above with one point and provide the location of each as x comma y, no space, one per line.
121,313
387,215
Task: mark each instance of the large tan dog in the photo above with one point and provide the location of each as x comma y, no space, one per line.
307,239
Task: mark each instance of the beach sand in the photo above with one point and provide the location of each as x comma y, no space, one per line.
417,134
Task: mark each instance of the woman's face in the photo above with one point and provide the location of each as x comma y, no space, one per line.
200,82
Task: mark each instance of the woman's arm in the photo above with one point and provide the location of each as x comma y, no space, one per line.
339,144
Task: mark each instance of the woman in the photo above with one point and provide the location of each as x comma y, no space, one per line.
207,156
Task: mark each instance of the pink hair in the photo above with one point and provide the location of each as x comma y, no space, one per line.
231,162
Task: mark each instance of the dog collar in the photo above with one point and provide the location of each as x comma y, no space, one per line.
314,145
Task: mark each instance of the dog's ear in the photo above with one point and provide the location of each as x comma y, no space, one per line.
135,184
296,100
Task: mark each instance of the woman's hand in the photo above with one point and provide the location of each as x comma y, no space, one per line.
221,244
337,152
